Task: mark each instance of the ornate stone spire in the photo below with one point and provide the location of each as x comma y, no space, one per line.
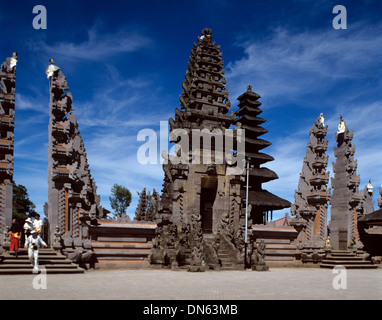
7,124
73,200
345,198
312,195
204,100
367,198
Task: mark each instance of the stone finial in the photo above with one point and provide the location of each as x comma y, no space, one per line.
51,68
341,126
13,60
321,120
206,35
369,187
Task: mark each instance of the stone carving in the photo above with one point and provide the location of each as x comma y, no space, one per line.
367,203
6,238
258,254
197,258
57,240
158,254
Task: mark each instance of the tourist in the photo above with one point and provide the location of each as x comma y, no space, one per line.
15,237
37,223
33,244
28,226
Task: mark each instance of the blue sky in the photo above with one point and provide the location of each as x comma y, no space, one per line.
125,62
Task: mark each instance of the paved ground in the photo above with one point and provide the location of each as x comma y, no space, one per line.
279,283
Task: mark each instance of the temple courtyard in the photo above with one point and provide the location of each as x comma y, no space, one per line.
276,284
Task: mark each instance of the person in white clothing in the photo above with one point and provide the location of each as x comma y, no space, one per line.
33,244
37,223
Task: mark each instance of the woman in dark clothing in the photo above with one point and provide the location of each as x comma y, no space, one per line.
15,237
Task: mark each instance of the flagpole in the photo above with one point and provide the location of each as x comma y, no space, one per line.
246,212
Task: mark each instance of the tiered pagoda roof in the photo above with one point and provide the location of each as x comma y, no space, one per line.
204,100
248,119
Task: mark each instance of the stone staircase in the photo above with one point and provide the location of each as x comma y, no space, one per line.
51,260
122,244
348,259
114,252
280,250
226,257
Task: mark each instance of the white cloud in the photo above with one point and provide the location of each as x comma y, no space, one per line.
29,103
289,67
97,47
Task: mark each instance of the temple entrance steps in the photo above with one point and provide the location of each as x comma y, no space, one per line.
124,245
348,259
51,260
122,252
280,250
226,259
226,254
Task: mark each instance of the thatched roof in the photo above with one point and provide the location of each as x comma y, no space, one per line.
374,218
266,199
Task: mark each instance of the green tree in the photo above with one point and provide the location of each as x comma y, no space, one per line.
120,199
22,205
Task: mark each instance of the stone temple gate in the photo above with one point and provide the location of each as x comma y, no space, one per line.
73,203
7,125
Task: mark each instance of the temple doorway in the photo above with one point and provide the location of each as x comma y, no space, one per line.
207,199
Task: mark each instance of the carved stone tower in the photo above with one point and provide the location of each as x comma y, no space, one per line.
199,179
7,123
199,193
73,201
312,194
345,198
